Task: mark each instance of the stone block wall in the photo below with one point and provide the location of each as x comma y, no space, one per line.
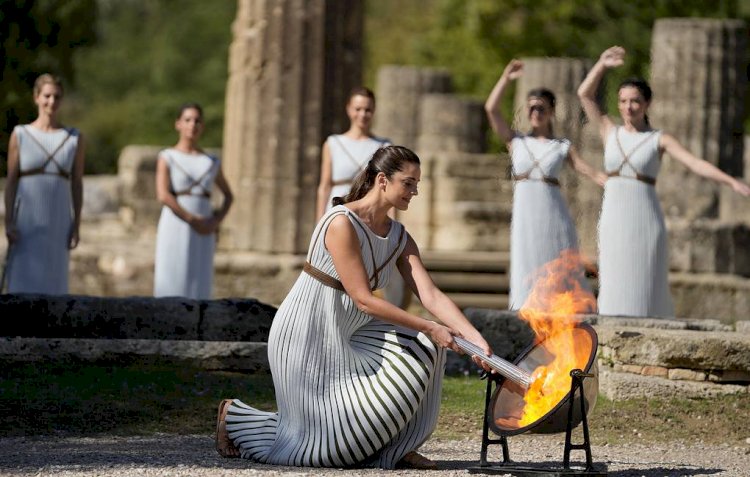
220,334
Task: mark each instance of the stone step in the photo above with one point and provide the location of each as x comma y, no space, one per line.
462,282
484,262
495,301
71,316
243,356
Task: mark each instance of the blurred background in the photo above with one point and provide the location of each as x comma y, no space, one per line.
129,64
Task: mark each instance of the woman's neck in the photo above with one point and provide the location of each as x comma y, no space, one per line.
188,146
356,132
46,122
635,126
373,211
541,132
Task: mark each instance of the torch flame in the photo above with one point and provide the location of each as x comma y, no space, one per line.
558,295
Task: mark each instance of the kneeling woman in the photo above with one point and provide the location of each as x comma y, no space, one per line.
357,379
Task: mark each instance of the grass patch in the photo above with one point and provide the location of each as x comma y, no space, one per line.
47,399
143,399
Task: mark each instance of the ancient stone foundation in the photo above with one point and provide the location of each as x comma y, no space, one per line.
637,357
218,334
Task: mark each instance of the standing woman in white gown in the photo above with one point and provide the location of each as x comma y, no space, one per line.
345,155
43,196
633,254
186,235
541,226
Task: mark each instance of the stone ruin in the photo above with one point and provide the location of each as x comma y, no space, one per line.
285,94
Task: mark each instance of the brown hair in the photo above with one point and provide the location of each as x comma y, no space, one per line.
643,87
388,160
47,78
361,91
185,106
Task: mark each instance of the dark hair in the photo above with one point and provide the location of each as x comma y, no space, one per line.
642,86
361,91
47,78
543,93
388,160
185,106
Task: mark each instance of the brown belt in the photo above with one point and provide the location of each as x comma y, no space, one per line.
187,192
638,177
40,170
322,277
549,180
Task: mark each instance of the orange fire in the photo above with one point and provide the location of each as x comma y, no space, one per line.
556,297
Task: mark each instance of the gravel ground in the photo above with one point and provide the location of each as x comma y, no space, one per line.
176,456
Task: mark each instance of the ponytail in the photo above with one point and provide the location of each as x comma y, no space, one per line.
388,160
363,182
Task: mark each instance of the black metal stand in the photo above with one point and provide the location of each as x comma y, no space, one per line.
507,467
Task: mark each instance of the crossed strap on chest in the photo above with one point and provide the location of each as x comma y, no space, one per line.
50,159
352,159
332,282
626,160
526,176
193,181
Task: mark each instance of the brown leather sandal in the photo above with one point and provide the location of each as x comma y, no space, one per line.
415,460
224,445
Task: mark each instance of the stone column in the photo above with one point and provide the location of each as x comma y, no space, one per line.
291,65
562,76
699,83
400,90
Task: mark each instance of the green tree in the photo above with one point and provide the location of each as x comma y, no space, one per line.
475,39
152,56
37,36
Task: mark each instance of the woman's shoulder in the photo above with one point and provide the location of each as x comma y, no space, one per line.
383,141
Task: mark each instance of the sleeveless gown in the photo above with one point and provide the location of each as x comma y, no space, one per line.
348,158
633,255
39,260
541,227
184,262
350,388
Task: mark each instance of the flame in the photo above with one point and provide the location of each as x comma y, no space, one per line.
550,309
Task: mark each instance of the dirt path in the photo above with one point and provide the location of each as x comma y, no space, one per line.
172,455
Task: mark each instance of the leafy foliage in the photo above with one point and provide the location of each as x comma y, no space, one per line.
152,57
37,37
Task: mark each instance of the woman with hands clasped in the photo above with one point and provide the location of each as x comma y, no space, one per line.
633,255
186,235
541,226
357,379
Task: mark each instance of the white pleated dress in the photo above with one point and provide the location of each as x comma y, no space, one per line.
184,263
348,157
39,261
350,388
633,255
541,227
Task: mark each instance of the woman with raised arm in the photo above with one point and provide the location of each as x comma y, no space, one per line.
43,196
541,226
186,235
345,155
633,255
357,379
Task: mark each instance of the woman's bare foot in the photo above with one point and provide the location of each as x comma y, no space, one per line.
224,445
415,460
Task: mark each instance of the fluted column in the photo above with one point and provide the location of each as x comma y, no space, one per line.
699,82
291,65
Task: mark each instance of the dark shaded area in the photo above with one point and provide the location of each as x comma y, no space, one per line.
38,36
